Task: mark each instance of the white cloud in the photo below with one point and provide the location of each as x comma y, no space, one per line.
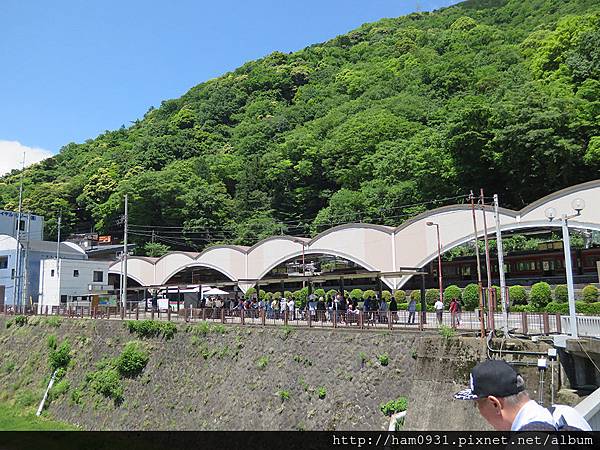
11,155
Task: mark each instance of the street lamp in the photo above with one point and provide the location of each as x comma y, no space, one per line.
431,224
578,205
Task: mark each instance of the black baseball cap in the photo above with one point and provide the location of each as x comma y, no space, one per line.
491,377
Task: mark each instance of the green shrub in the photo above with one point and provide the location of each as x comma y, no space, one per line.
588,308
321,392
77,396
522,308
589,294
384,359
402,306
432,296
288,294
132,360
452,291
331,293
320,293
106,382
517,295
21,320
52,342
470,297
262,362
416,295
446,332
251,292
53,321
540,295
369,293
356,294
394,406
151,328
59,389
561,293
283,395
60,357
26,397
400,296
555,307
386,295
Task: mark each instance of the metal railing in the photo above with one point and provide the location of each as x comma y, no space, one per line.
588,326
467,321
589,408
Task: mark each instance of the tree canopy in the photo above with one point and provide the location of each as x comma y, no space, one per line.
375,125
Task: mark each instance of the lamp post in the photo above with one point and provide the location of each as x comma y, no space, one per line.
431,224
578,205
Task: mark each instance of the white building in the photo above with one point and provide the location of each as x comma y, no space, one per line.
77,281
8,225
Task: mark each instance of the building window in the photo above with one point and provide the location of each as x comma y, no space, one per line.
20,225
98,276
3,262
52,272
63,298
76,273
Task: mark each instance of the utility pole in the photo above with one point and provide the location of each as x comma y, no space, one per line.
26,262
124,298
501,266
472,197
17,282
58,257
487,247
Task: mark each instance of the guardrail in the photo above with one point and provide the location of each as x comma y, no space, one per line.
589,408
467,321
588,326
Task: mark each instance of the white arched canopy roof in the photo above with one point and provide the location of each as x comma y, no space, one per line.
374,247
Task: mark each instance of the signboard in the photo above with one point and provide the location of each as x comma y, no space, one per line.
107,300
105,239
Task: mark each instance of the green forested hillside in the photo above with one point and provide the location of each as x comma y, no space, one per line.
498,94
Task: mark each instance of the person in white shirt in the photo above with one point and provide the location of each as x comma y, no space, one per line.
439,310
501,398
291,306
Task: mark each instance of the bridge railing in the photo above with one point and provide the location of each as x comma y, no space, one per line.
467,321
588,326
589,408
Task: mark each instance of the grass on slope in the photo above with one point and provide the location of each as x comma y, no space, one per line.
11,419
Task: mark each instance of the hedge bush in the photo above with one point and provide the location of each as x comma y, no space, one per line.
587,308
432,296
561,293
470,296
356,294
369,293
132,360
589,294
452,291
556,307
331,293
404,307
415,295
320,293
522,308
400,295
517,295
540,294
386,295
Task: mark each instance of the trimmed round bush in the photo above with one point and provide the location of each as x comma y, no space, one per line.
369,293
470,296
452,291
356,294
522,308
561,293
432,296
415,295
400,295
540,294
590,309
589,294
320,293
386,295
331,293
517,295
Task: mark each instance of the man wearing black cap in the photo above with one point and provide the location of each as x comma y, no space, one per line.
499,392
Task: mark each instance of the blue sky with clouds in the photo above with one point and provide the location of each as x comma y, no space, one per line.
72,69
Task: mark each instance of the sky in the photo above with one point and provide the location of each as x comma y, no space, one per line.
72,69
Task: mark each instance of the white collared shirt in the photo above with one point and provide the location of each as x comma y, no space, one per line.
531,412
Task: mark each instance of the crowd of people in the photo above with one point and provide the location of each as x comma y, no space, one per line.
326,308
